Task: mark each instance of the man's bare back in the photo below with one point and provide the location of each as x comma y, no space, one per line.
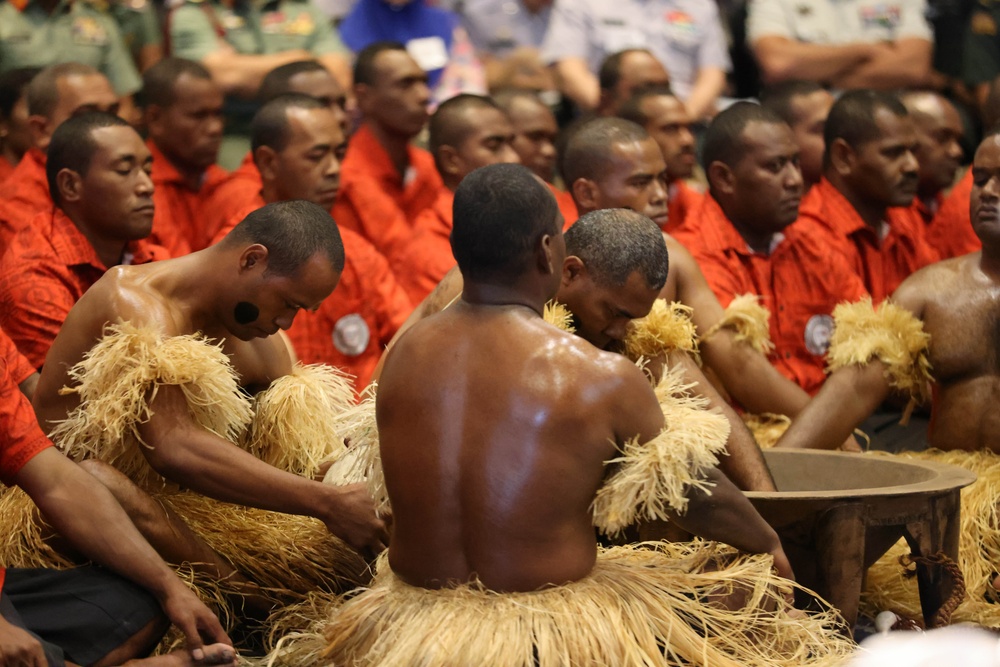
513,451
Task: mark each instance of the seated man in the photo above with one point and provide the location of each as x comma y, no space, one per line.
387,182
494,471
746,240
941,319
297,146
98,174
203,331
870,179
15,139
666,119
466,132
182,110
804,105
55,94
88,615
842,43
623,73
939,153
535,131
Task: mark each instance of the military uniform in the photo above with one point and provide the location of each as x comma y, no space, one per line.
498,27
138,23
76,31
685,35
838,21
196,26
981,60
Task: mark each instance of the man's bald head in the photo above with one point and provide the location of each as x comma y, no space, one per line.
468,132
43,91
61,91
614,243
624,72
454,121
591,147
535,129
939,135
271,126
308,77
853,118
724,141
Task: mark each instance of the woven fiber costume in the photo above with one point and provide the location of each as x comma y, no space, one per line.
292,425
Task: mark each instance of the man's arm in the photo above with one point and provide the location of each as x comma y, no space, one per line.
183,452
708,85
905,63
87,515
783,58
240,74
577,82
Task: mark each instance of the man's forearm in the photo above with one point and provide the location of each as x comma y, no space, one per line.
707,87
750,378
907,64
578,83
240,74
782,59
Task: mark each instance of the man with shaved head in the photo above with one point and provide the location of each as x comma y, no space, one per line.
623,73
55,94
870,178
666,119
746,239
804,105
297,148
466,132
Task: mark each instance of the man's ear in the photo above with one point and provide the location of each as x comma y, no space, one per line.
721,178
151,116
266,160
573,270
842,157
585,194
362,96
449,160
69,185
253,258
38,126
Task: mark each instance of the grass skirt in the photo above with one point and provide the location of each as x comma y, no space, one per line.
641,605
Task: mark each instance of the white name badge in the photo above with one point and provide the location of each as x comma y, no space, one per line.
429,52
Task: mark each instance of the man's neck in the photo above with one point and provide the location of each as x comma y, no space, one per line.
188,285
490,294
761,243
396,145
989,262
872,213
192,176
109,251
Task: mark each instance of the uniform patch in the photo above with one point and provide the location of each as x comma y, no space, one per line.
881,15
88,30
819,328
983,23
351,335
231,21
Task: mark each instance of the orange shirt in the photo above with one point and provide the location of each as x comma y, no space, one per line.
6,169
23,196
378,203
566,206
800,282
185,219
428,255
683,200
950,230
236,196
20,436
881,263
50,264
13,360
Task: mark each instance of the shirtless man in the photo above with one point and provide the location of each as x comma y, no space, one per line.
493,468
956,301
283,258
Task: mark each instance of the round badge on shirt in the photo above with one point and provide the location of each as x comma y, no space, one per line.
818,331
351,335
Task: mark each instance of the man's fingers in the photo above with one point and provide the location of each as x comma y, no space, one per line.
212,631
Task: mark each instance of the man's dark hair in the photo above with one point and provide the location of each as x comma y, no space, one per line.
852,118
500,213
779,97
588,148
43,93
449,126
292,231
270,127
507,96
276,82
610,72
723,139
159,81
73,146
13,84
364,66
632,109
614,243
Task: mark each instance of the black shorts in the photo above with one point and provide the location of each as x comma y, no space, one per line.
79,615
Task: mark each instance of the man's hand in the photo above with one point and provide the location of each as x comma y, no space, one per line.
200,627
349,513
18,648
784,569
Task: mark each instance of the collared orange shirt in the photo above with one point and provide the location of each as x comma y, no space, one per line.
566,206
375,200
236,196
23,196
950,231
428,256
682,201
881,263
13,360
185,219
6,169
800,282
20,436
48,267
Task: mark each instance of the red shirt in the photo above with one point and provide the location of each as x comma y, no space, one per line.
881,263
378,203
428,256
236,196
800,282
13,360
48,268
566,206
950,231
185,219
6,169
683,200
23,196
